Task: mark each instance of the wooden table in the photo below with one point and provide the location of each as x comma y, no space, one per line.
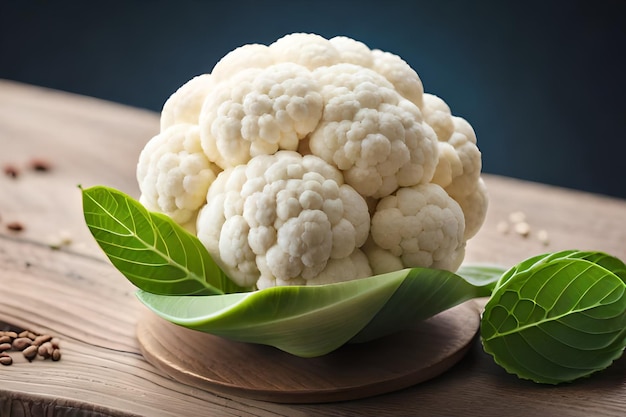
75,294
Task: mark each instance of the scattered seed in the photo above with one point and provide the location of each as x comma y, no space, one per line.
11,171
21,343
12,335
40,340
5,359
542,235
30,352
39,164
522,229
502,227
15,226
45,350
30,344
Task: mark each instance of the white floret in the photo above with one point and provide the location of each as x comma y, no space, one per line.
259,111
174,174
460,163
404,78
246,56
283,219
306,49
421,226
474,206
183,107
371,133
352,51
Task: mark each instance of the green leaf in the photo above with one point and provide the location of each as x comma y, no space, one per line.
482,275
557,317
150,249
433,291
311,321
609,262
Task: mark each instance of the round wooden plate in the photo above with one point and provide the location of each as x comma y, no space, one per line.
354,371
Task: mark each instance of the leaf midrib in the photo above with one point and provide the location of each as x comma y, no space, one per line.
148,246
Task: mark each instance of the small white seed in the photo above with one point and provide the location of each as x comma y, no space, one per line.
522,229
502,227
543,237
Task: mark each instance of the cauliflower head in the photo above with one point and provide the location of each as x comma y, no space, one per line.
312,160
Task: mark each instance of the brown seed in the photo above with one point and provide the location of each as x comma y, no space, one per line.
15,226
39,340
5,339
39,164
5,346
5,359
45,350
12,335
56,355
55,342
11,171
22,343
30,352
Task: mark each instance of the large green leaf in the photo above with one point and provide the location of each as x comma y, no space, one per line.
602,259
558,317
311,321
152,251
426,292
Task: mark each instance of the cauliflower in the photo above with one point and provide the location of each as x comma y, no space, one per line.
311,160
284,219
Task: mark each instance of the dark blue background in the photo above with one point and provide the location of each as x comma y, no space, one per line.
542,82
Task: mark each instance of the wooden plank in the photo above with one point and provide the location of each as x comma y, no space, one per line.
78,296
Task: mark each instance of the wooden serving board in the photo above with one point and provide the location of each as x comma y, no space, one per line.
351,372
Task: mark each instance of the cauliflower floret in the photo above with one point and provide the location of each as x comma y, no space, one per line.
306,49
421,226
246,56
184,105
474,206
352,51
259,111
404,78
284,219
459,165
371,133
174,174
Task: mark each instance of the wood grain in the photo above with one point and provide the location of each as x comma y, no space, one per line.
75,294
